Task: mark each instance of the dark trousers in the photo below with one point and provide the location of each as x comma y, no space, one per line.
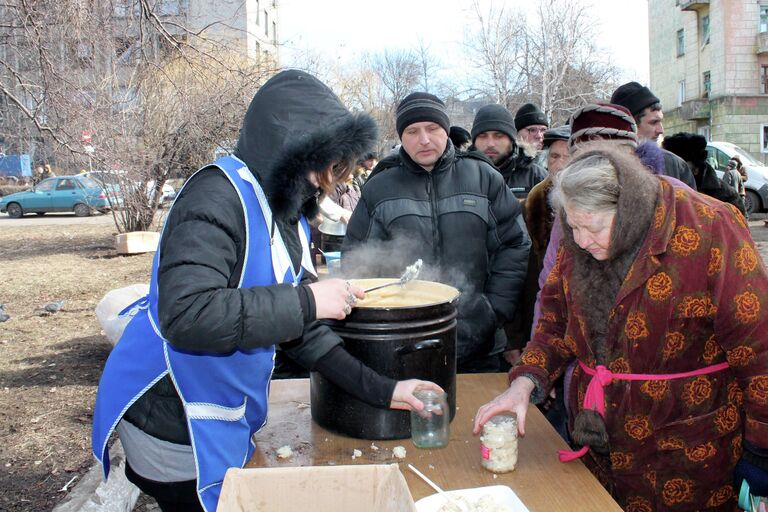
170,496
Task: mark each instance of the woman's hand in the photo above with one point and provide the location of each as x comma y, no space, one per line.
516,399
334,298
403,397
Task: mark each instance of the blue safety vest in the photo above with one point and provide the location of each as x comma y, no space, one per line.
224,396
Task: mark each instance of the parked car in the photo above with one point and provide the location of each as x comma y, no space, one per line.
167,194
112,180
718,154
79,194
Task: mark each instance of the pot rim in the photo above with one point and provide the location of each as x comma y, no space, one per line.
448,289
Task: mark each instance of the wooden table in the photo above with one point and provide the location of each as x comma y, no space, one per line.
541,481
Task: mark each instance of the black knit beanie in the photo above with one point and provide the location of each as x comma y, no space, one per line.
634,97
420,107
530,114
494,118
459,136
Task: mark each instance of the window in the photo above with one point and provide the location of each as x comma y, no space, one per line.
680,42
764,18
705,30
680,92
764,138
717,159
258,12
126,8
45,186
66,184
266,23
274,33
707,79
764,79
171,8
704,132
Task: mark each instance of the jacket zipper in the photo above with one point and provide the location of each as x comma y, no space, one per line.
433,211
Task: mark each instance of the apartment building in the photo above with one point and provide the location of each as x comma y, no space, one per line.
709,67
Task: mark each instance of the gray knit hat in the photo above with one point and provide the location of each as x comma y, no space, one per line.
494,118
420,107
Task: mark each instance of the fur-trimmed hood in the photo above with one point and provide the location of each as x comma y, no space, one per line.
295,124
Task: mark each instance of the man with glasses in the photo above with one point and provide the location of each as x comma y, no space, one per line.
531,123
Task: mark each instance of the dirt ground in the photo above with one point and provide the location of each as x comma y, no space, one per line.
50,365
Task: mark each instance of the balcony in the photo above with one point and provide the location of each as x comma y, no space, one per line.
693,5
762,43
695,109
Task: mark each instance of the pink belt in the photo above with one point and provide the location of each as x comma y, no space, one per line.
594,398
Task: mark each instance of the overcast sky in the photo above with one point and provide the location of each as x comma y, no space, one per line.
343,29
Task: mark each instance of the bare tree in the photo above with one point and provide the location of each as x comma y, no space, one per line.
563,69
551,61
497,48
429,68
157,94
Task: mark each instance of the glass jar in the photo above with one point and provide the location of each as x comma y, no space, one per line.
429,427
498,443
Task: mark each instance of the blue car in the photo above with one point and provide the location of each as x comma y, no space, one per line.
78,194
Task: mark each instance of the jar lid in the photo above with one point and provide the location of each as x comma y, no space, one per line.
428,394
503,419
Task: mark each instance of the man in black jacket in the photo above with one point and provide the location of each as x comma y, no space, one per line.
493,134
452,210
645,107
692,148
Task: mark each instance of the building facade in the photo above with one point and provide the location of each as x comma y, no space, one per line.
88,58
709,68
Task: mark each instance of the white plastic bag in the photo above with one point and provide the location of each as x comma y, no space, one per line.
112,304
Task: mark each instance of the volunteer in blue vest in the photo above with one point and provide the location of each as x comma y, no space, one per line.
187,385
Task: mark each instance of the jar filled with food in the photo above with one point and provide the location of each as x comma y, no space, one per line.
498,443
429,427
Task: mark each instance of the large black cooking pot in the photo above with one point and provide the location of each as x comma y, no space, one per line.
401,333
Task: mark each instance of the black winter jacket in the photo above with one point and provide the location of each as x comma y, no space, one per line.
286,133
461,220
677,168
709,183
521,173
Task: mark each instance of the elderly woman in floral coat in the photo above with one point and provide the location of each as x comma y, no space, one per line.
660,295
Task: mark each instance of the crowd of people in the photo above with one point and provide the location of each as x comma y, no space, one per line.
614,278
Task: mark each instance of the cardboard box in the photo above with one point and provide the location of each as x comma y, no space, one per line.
362,488
137,242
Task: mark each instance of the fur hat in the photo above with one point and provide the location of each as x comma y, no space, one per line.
634,97
559,133
691,147
530,114
421,107
494,118
603,121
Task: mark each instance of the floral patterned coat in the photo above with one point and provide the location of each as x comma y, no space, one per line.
696,295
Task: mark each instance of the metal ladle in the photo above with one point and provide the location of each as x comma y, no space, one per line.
411,273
